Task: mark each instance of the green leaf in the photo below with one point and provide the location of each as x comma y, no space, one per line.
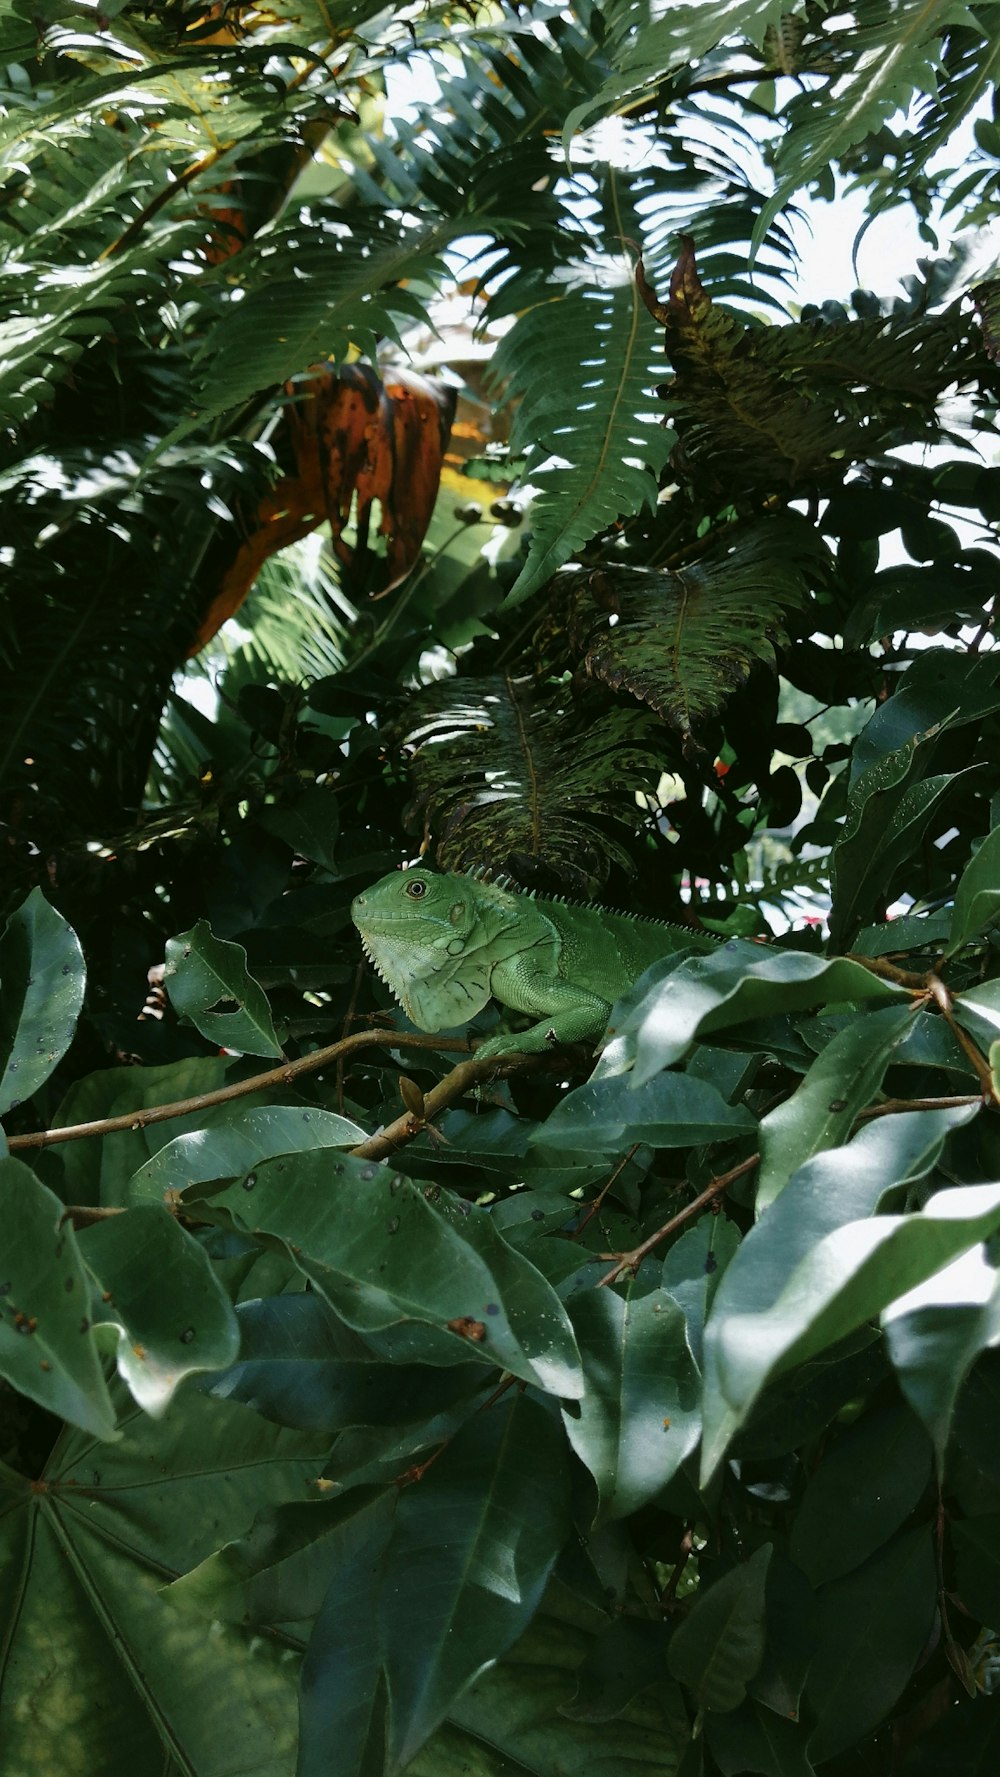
342,1701
717,1648
638,1419
382,1255
472,1549
42,980
226,1149
888,811
299,1366
84,1553
670,1111
717,992
936,1332
844,1078
585,367
873,1627
509,1722
623,1661
976,1542
209,984
98,1172
158,1288
309,824
46,1347
693,1268
863,1490
809,1272
977,897
753,1738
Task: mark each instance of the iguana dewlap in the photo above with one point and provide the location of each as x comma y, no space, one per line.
446,944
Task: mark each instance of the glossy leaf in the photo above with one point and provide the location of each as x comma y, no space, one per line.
299,1366
722,991
977,897
226,1149
673,1110
810,1271
753,1738
936,1332
42,980
863,1490
717,1649
383,1255
472,1549
46,1346
509,1720
821,1113
158,1288
976,1542
342,1707
888,812
638,1419
873,1626
208,983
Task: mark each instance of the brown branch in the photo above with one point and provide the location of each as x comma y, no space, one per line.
468,1073
887,971
714,1188
202,1101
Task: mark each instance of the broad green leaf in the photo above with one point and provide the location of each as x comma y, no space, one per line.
852,1274
936,1332
977,897
209,984
943,688
976,1542
509,1722
845,1077
129,1682
158,1288
873,1626
911,931
472,1548
99,1171
719,1646
41,991
624,1659
383,1254
692,1272
673,1110
299,1366
801,1278
888,811
46,1346
864,1489
342,1701
224,1149
309,824
281,1570
717,992
753,1738
638,1419
977,1010
584,366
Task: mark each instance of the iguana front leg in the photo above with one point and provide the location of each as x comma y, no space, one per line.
570,1014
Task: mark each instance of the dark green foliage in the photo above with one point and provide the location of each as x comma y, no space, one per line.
637,1411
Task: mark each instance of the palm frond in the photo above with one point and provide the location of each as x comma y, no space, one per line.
511,776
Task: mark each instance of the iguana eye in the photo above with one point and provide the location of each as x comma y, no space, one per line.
416,889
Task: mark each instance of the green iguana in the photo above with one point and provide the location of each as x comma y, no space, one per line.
445,944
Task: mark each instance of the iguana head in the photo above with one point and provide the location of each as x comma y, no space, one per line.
427,936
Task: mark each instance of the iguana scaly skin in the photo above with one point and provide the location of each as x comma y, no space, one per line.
445,944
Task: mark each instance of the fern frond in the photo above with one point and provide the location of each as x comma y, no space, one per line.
508,776
895,50
584,368
307,293
683,641
758,409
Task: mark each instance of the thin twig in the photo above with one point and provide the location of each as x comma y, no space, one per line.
468,1073
714,1188
275,1076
